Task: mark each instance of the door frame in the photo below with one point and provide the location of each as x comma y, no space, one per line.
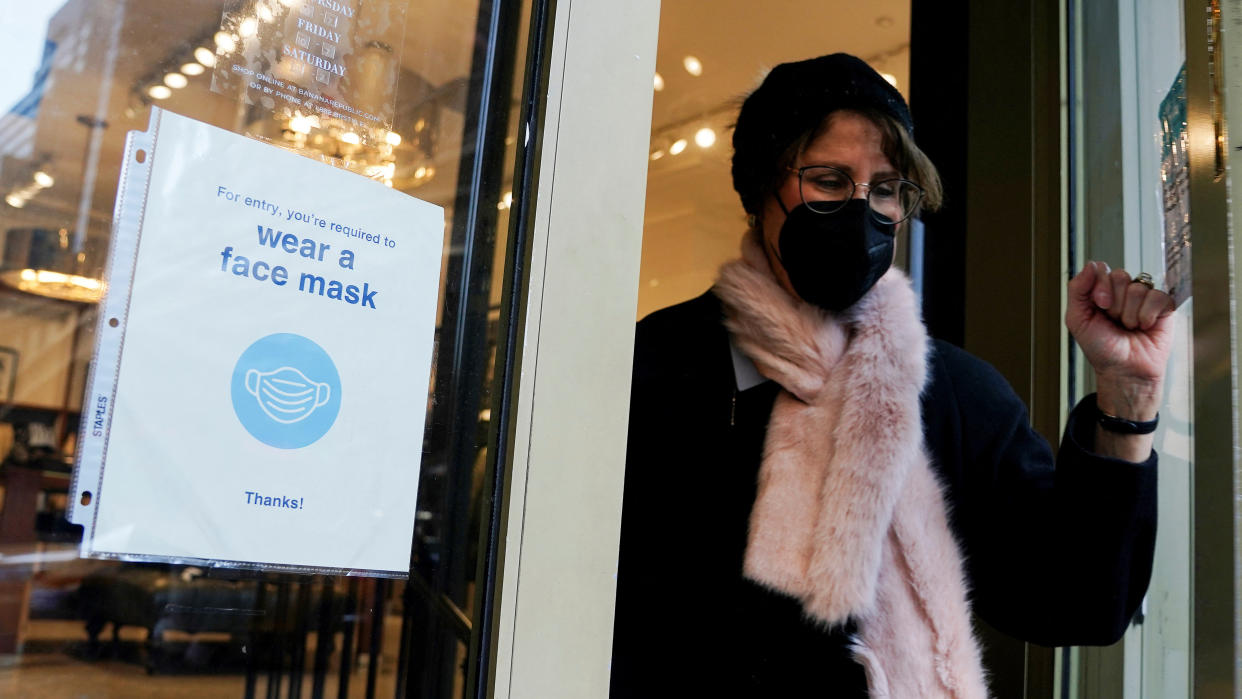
561,513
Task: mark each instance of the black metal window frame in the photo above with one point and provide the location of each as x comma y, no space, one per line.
426,664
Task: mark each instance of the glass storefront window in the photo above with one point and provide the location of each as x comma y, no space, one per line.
431,110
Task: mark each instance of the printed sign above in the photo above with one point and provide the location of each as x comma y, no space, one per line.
260,380
332,60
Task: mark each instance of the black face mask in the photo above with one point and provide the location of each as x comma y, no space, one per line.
833,259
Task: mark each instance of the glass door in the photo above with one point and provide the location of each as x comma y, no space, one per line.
430,100
1155,87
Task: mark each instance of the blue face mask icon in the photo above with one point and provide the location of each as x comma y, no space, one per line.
286,394
286,391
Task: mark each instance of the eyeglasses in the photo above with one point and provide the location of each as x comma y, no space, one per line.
825,189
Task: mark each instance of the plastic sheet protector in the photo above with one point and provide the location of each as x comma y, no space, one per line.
259,385
1175,190
335,60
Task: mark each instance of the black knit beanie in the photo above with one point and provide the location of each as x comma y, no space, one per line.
793,100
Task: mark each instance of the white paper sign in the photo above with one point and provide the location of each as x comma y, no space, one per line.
260,382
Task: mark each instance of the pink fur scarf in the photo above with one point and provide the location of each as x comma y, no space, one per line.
849,517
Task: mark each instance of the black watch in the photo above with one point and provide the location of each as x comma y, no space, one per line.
1120,425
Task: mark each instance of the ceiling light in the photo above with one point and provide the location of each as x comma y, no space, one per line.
192,69
693,65
88,283
351,138
159,92
705,137
264,13
43,179
892,79
203,55
658,82
47,276
420,173
15,201
39,261
46,282
678,146
393,138
657,154
175,80
225,42
248,27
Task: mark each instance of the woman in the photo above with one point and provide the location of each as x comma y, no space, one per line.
817,496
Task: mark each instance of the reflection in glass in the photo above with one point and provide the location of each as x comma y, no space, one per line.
82,626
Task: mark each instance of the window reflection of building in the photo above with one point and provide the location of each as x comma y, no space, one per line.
107,62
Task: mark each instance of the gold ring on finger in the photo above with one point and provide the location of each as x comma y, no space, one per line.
1145,279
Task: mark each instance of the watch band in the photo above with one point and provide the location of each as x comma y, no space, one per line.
1120,425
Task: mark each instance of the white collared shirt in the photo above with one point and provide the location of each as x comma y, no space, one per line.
745,374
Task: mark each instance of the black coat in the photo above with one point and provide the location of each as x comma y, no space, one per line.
1053,556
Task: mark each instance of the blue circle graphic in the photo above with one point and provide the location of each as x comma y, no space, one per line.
286,391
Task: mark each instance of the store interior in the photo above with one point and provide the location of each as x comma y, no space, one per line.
708,58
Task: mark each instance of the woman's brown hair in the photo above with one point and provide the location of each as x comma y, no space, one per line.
895,142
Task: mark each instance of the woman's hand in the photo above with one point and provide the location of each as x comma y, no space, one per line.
1124,331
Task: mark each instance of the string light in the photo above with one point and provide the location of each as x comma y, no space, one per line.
203,55
21,196
301,124
225,42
